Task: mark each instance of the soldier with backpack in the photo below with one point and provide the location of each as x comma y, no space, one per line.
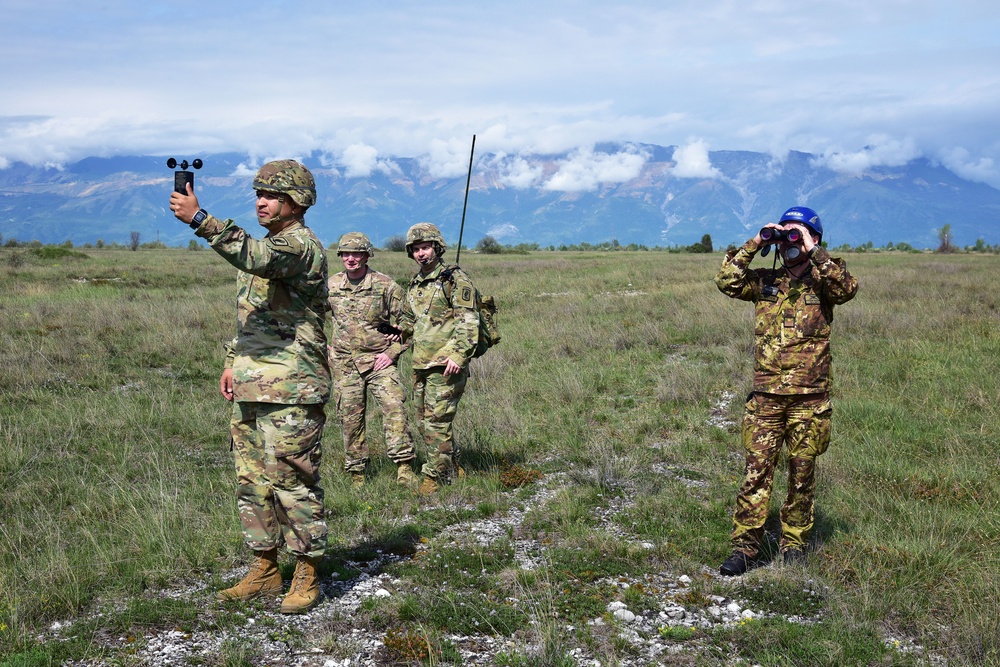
441,315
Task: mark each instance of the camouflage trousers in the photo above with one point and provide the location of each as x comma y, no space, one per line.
436,398
802,423
278,495
351,389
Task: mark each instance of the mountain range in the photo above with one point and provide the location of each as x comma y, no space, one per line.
526,199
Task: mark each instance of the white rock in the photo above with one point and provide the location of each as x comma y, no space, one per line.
616,605
382,593
624,615
748,614
714,611
733,607
684,579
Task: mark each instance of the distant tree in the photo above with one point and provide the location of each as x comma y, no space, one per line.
193,245
944,239
133,243
705,245
489,246
99,244
68,243
395,243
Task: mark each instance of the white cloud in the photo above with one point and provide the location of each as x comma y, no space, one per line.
527,77
519,173
960,162
360,160
881,151
447,158
503,231
691,161
584,170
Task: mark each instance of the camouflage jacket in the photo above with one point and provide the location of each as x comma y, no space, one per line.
792,320
279,352
441,317
357,312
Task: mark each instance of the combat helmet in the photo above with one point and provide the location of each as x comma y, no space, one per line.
287,177
355,242
803,216
425,232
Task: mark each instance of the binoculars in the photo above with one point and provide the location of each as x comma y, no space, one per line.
772,235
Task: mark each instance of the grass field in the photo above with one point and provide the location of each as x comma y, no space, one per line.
616,387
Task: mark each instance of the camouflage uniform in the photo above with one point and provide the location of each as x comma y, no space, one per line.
281,382
790,401
440,314
357,312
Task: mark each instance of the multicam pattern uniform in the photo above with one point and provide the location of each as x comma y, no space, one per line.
790,402
281,382
440,315
357,312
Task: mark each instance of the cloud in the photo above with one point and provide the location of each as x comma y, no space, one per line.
519,173
960,162
584,170
447,158
360,160
692,161
881,151
503,231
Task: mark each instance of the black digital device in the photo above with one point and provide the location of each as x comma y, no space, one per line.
388,329
183,177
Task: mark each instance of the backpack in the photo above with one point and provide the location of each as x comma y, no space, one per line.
486,306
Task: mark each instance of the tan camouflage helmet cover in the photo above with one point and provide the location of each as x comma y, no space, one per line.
287,177
425,232
355,242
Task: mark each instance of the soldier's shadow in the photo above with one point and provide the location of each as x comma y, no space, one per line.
825,526
344,569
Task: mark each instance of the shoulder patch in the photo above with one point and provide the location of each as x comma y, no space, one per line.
464,295
289,244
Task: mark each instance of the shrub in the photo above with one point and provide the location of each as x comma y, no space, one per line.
396,243
489,246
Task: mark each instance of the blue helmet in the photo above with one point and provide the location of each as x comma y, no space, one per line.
804,216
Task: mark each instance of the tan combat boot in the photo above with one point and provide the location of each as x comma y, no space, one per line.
264,579
357,480
428,486
304,592
405,476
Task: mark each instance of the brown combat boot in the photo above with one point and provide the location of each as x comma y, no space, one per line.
264,579
357,480
429,486
304,592
405,476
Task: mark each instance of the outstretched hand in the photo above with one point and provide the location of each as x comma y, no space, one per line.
184,206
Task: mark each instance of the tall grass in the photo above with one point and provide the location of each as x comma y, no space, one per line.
115,474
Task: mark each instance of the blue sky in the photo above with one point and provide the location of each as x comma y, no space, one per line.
858,83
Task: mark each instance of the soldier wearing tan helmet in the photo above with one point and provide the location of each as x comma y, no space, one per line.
440,314
364,304
278,377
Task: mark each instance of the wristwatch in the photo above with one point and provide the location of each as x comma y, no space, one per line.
198,218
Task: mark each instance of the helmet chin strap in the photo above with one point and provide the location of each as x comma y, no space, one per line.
277,218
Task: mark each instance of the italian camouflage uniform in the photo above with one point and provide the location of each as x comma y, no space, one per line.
357,312
790,402
281,383
440,314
